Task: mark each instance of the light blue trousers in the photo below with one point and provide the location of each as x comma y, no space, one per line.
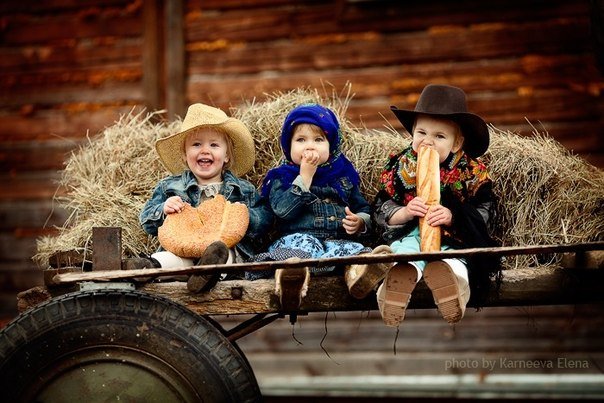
410,244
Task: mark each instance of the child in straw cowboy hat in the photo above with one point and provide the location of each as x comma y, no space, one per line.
440,121
206,158
315,197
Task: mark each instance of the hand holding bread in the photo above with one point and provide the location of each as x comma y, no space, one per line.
189,232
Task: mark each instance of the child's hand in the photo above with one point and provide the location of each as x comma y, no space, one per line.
439,215
173,205
352,223
415,208
310,157
308,166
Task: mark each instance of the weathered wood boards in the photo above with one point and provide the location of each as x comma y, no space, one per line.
531,286
116,274
520,287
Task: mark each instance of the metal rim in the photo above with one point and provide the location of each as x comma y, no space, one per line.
120,372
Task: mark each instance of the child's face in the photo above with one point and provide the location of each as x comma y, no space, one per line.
309,138
443,135
206,152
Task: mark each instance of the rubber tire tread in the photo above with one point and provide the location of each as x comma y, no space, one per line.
215,367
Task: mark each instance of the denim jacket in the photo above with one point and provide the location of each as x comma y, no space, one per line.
317,211
233,189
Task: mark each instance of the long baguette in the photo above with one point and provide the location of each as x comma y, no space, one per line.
428,188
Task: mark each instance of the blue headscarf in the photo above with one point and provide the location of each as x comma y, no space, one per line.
328,173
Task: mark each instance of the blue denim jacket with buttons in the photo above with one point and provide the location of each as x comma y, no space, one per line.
317,211
233,189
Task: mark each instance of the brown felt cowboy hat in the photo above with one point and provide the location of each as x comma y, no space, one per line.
171,148
449,102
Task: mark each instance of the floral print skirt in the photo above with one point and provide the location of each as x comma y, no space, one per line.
305,246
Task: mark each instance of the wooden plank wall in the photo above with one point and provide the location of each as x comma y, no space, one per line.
67,70
517,60
353,353
70,68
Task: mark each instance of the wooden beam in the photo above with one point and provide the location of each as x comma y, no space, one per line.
353,51
30,186
107,252
152,54
175,59
544,286
71,278
520,287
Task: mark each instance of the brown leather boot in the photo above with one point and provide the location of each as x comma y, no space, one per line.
216,253
135,263
291,286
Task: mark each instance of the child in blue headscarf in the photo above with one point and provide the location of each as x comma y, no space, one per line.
315,196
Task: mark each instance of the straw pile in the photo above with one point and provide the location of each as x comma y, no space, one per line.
108,181
367,149
546,195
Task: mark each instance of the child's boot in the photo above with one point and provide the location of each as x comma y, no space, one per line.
361,279
448,281
216,253
394,293
291,285
136,263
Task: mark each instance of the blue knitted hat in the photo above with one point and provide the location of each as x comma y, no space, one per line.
313,114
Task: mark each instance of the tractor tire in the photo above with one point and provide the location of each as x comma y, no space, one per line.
115,345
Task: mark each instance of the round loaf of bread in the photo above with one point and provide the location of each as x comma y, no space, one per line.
188,233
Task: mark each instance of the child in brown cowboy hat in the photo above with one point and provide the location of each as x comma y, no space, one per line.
442,122
206,159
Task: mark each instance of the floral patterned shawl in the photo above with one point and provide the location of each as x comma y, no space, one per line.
465,185
461,174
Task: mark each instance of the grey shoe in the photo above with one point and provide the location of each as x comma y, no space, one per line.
216,253
135,263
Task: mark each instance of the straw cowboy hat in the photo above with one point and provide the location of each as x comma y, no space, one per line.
449,102
171,148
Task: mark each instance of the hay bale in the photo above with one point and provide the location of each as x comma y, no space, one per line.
546,194
108,181
367,149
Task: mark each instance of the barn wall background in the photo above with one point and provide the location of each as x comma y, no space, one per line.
70,68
